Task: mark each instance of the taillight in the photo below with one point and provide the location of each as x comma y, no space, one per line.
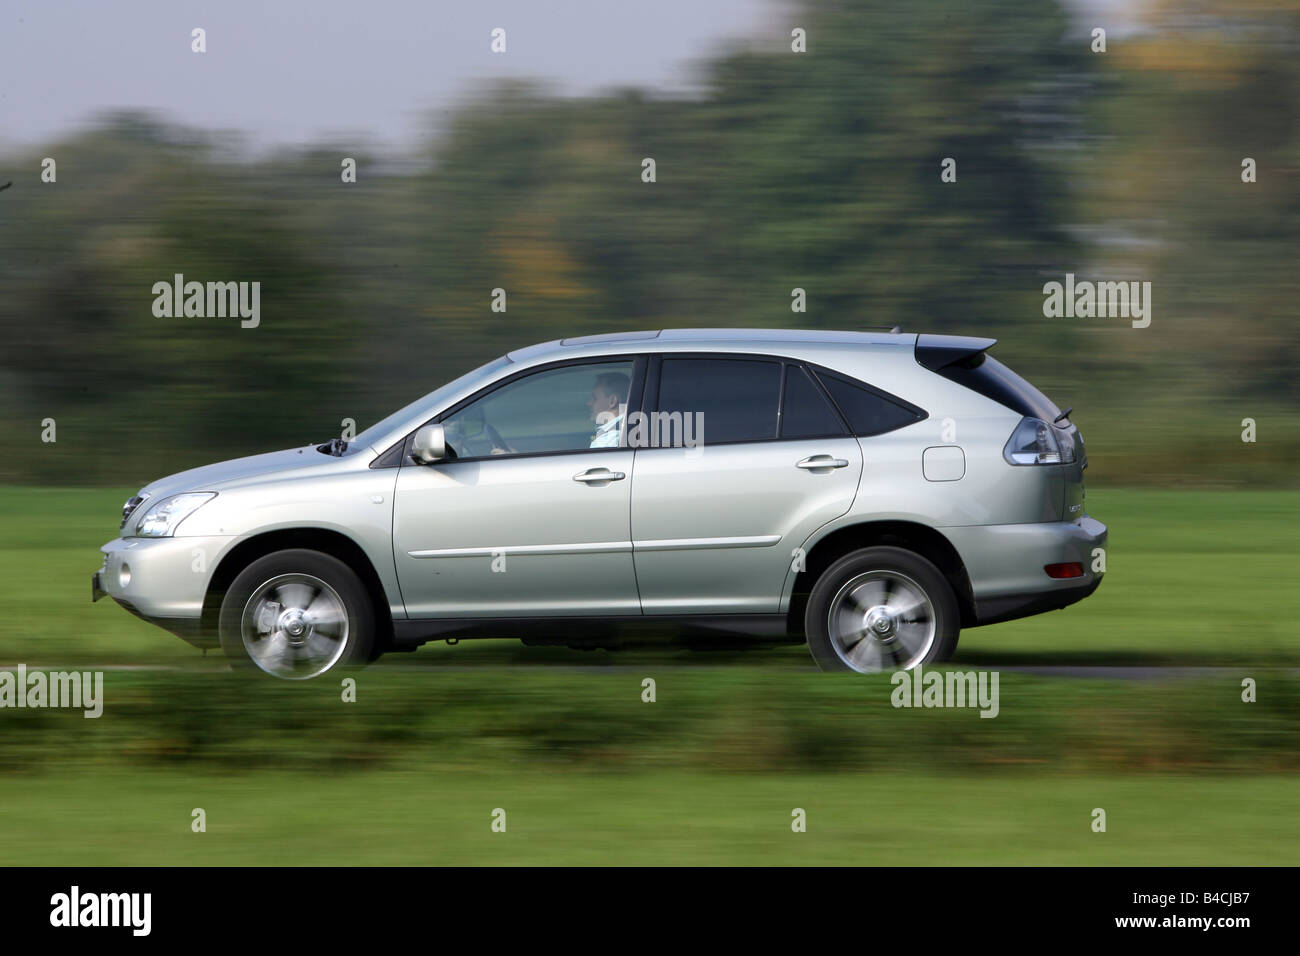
1066,442
1034,442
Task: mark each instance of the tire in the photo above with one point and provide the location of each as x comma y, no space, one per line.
296,615
881,608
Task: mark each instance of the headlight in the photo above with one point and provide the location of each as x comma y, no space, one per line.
1034,442
163,518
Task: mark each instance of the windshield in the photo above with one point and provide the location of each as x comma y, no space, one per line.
378,431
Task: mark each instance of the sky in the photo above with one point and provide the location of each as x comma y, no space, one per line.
378,72
296,71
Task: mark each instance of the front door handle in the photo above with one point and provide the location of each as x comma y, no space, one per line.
599,474
821,461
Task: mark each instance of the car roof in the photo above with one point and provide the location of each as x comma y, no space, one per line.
747,337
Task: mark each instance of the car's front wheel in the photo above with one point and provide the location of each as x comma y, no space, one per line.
881,608
296,614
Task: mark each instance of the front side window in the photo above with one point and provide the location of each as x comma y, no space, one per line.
573,408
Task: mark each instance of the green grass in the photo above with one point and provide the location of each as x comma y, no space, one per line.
732,718
288,773
51,548
423,818
587,773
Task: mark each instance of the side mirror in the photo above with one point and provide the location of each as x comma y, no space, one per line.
429,444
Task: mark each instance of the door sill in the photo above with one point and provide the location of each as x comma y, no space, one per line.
580,630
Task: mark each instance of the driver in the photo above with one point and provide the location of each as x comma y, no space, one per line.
606,405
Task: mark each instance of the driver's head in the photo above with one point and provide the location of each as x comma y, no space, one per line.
609,392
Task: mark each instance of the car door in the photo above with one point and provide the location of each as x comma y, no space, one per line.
715,525
525,517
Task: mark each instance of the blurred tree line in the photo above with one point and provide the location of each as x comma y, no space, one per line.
817,170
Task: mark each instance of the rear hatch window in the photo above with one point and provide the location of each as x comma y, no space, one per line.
984,374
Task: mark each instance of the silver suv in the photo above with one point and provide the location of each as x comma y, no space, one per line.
869,493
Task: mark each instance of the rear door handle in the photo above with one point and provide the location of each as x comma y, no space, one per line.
821,461
599,474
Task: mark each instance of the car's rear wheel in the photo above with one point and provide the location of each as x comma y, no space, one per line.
881,608
297,614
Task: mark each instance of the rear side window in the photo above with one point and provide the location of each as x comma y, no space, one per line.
868,411
738,399
805,413
989,377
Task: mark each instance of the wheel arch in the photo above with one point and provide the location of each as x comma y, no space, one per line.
334,543
913,536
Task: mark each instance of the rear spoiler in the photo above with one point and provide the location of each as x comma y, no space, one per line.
940,351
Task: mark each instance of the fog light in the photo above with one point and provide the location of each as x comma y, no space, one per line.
124,575
1072,570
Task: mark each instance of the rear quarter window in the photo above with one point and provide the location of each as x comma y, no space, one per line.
868,410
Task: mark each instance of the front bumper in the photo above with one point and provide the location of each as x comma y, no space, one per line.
162,580
1005,565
